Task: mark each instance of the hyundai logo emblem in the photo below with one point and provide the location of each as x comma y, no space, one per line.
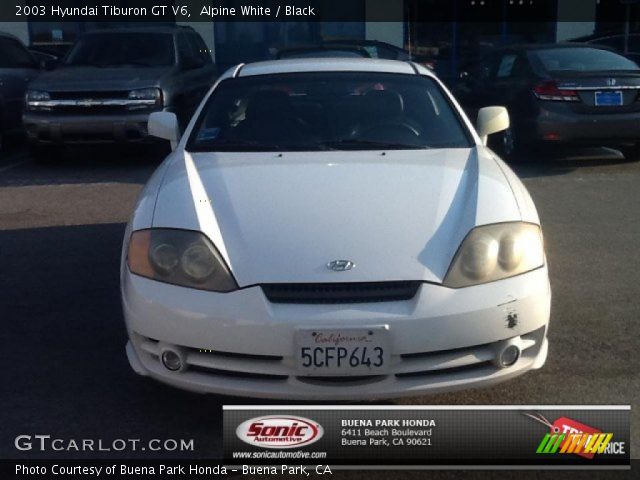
611,82
341,265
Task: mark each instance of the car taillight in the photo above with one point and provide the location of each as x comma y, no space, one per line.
549,90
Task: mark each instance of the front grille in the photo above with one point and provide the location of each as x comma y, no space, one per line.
341,381
99,95
451,370
364,292
235,374
68,106
92,110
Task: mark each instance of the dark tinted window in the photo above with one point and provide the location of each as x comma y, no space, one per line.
322,54
327,111
123,48
390,53
616,42
14,55
505,67
199,48
583,60
185,52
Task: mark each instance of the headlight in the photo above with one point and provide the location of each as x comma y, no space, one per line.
37,96
33,99
180,257
494,252
153,96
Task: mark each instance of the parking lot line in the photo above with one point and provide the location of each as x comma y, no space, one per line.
12,165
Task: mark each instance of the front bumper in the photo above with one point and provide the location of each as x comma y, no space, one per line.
51,128
241,344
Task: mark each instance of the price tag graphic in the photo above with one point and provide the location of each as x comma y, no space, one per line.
567,426
570,436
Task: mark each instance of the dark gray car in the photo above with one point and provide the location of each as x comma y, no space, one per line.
111,81
559,94
17,68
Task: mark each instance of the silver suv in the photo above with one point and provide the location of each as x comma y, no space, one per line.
109,83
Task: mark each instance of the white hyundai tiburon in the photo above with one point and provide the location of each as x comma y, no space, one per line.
333,229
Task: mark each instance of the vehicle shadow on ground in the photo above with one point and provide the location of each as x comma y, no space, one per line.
562,162
73,165
62,318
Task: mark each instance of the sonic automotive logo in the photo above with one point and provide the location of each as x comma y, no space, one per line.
276,431
570,436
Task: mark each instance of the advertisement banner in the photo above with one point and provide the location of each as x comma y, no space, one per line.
470,436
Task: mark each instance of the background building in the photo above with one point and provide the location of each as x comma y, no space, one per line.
445,32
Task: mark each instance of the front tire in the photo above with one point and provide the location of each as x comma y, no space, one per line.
508,145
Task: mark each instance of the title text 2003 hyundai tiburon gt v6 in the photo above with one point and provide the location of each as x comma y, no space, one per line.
333,229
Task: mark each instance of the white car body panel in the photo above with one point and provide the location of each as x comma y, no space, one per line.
280,217
431,199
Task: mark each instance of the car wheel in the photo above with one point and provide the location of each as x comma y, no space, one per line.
507,145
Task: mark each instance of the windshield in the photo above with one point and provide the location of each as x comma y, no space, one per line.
327,111
123,49
14,55
583,60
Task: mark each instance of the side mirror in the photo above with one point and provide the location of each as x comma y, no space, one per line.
491,120
164,125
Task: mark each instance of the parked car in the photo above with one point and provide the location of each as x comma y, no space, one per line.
333,229
349,48
378,49
374,48
617,42
47,61
17,68
109,83
323,52
559,94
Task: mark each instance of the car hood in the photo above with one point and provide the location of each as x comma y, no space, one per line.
398,215
97,78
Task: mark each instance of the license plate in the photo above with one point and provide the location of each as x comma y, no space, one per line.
343,352
608,99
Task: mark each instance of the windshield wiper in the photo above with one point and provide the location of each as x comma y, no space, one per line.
252,145
232,146
357,144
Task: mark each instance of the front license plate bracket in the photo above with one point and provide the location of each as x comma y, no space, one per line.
342,351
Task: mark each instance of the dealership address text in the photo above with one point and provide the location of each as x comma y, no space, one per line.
387,432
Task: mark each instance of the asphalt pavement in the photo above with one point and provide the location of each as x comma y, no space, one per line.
64,368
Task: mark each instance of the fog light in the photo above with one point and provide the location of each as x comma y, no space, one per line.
509,356
171,360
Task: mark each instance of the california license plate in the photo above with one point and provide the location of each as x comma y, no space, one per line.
343,352
608,98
